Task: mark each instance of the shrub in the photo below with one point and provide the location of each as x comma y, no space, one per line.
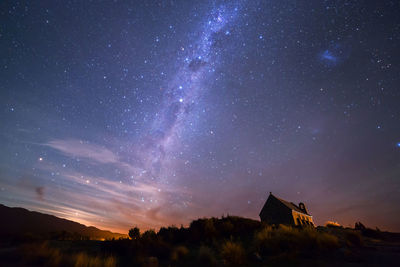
179,253
206,256
42,254
353,239
84,260
45,255
359,226
149,235
284,239
171,234
209,228
226,228
327,241
233,253
110,262
151,262
134,233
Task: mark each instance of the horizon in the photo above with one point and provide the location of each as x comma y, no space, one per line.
123,114
142,230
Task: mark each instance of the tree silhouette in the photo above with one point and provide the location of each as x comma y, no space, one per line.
134,233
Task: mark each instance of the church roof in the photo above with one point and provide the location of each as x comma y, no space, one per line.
290,205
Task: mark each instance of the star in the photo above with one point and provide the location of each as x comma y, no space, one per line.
140,104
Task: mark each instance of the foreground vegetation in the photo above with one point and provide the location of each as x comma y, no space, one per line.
226,241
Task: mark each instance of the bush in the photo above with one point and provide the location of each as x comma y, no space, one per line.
41,254
149,235
226,228
284,239
353,239
327,241
233,253
179,253
45,255
151,262
134,233
206,256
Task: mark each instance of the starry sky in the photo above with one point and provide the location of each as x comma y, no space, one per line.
155,113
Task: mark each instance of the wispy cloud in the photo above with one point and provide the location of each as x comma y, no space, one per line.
121,196
82,149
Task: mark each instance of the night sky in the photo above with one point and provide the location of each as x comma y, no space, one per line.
125,113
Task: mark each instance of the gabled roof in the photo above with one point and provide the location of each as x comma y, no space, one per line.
290,205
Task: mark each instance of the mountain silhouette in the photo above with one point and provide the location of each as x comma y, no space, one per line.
19,222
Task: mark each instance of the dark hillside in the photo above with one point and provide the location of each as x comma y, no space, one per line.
19,222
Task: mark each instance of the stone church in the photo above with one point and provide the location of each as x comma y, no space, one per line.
279,211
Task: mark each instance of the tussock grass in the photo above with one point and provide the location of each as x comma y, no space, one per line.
45,255
206,257
226,241
354,239
179,253
284,239
233,253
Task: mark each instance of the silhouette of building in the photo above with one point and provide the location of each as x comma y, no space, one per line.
279,211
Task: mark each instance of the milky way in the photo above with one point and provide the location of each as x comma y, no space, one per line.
124,113
198,63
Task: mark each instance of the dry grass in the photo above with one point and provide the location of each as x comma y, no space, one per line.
84,260
179,253
285,239
353,239
233,253
45,255
206,256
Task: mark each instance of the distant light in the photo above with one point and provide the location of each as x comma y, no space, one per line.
260,36
40,159
181,100
180,86
398,144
